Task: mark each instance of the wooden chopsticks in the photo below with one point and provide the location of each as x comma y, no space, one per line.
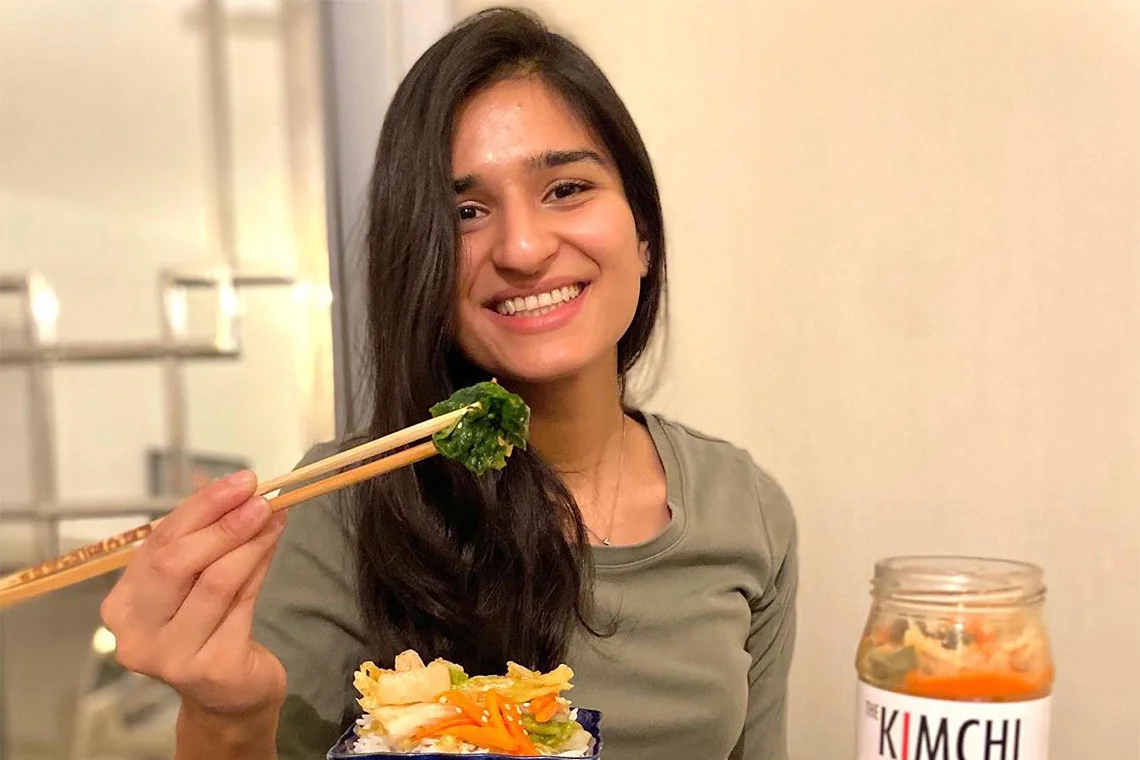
115,552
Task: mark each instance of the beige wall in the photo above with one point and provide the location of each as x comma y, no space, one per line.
905,265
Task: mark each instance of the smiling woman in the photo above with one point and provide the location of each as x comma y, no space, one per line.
515,234
552,257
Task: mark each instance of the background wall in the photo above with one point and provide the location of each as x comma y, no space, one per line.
918,221
905,275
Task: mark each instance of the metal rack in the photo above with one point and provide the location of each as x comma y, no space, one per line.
213,23
42,352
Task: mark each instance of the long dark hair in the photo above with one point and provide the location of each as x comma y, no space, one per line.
477,570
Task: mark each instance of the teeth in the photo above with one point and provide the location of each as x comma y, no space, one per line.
539,304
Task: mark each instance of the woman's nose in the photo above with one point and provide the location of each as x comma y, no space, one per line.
525,241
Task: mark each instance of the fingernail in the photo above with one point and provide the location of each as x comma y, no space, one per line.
241,479
255,510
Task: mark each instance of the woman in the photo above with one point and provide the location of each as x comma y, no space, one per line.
515,233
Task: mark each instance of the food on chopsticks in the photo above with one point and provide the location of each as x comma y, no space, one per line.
419,708
496,422
479,426
965,658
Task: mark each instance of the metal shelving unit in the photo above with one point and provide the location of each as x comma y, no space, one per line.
214,24
42,353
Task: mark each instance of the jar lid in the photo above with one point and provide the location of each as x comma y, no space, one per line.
948,581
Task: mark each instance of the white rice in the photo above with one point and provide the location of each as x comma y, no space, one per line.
376,743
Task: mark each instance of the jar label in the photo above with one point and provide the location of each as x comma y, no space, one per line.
899,727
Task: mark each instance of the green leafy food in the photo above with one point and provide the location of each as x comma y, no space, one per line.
485,436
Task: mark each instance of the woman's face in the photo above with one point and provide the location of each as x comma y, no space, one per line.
551,264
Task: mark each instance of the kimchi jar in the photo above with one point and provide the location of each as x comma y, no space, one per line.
954,663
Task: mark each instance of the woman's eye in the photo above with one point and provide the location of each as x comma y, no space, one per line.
467,213
564,190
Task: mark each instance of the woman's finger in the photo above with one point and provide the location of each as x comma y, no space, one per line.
218,589
237,625
163,574
204,507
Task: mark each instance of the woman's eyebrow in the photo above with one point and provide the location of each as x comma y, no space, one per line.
546,160
553,158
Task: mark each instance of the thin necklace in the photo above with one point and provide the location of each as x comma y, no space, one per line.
617,491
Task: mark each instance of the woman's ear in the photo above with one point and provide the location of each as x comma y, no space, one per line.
643,250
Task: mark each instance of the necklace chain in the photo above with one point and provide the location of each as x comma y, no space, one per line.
617,491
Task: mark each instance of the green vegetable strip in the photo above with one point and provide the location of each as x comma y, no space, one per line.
551,734
484,437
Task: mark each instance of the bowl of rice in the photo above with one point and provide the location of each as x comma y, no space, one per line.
436,710
352,747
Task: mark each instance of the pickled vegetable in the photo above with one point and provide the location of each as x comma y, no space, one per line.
991,659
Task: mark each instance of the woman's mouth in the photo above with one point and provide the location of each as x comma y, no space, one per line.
539,304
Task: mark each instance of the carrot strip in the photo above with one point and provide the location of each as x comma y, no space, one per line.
513,719
492,706
495,707
469,707
547,712
505,714
538,703
483,736
437,728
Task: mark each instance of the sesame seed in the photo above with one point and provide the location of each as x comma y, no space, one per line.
458,711
484,718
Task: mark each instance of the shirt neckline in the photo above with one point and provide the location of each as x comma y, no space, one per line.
611,557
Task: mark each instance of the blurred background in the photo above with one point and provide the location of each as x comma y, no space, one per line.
905,264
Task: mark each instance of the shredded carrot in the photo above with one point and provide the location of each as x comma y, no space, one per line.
513,719
437,728
469,707
538,703
505,715
977,686
547,712
492,706
494,724
483,736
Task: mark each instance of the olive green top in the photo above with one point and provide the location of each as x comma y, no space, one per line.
698,667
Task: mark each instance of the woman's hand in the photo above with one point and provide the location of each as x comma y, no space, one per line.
183,610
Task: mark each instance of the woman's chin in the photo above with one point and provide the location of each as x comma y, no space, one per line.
542,369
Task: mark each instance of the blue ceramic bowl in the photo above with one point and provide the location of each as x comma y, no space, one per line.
591,720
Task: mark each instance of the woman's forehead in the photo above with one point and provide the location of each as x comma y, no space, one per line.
511,122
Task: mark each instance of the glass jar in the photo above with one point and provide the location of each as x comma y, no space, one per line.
954,662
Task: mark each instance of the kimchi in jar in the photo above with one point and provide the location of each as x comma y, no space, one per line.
954,663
